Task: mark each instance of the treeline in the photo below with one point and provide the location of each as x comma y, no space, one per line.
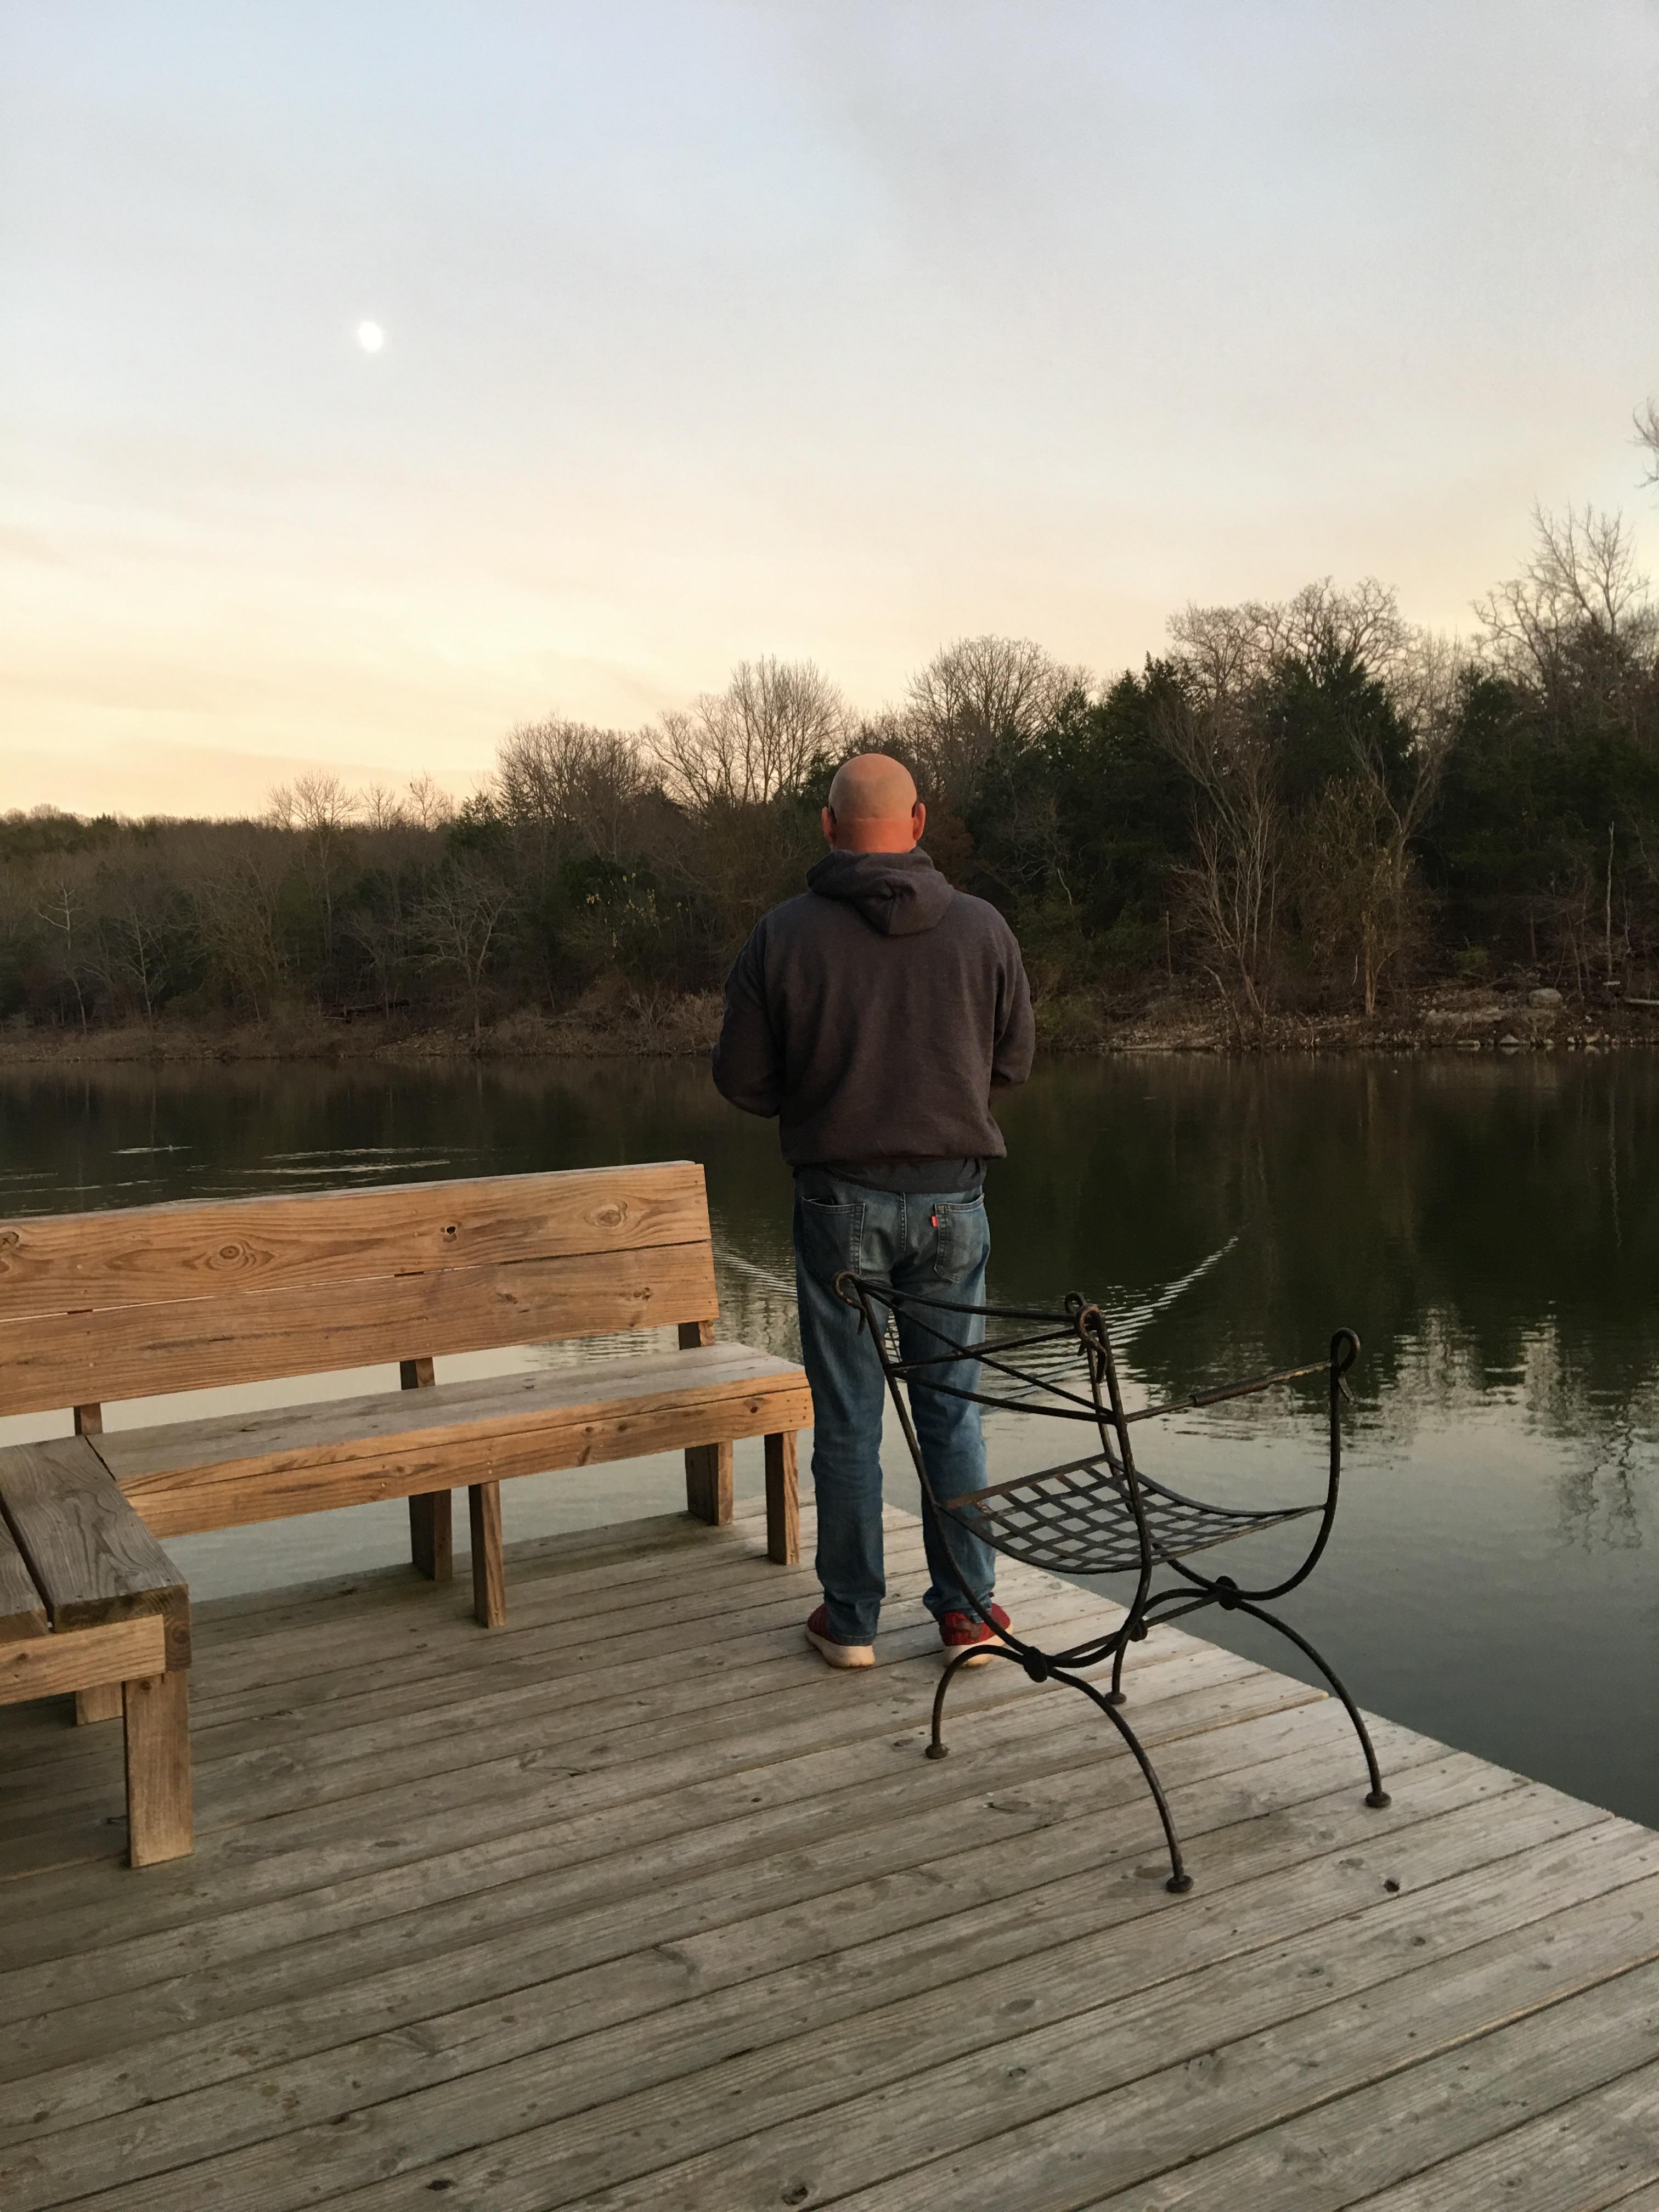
1308,802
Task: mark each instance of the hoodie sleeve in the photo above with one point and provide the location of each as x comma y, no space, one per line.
748,1061
1016,1037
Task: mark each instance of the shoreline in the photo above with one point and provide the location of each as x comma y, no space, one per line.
1437,1020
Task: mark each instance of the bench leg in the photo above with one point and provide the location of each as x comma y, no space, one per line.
782,1501
103,1704
709,1483
431,1536
431,1542
483,1503
158,1768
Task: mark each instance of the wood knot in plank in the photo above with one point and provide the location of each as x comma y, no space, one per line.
234,1253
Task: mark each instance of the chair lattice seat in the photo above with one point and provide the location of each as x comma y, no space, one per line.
1097,1515
1079,1520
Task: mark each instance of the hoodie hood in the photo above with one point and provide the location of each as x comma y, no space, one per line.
898,894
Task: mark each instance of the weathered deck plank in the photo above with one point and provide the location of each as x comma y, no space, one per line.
365,1631
518,2058
829,2108
558,1922
657,1701
570,1914
478,1884
1256,2094
1582,2157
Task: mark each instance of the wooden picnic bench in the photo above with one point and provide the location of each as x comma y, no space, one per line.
143,1302
89,1602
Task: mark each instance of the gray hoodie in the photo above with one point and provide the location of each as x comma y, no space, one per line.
874,1014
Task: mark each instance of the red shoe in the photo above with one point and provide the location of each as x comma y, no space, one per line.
831,1650
961,1631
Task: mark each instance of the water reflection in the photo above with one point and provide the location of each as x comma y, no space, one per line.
1491,1230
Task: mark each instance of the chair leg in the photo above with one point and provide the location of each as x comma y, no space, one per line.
1180,1881
1115,1695
159,1825
708,1484
937,1747
101,1703
483,1503
1040,1669
1377,1797
431,1536
782,1501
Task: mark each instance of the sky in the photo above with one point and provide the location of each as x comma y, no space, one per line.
832,329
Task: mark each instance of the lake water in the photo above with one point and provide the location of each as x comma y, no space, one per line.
1491,1229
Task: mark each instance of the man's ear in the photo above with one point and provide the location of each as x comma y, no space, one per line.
827,823
918,822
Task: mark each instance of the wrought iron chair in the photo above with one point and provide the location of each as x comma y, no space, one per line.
1097,1514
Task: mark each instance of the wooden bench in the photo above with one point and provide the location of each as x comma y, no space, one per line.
99,1307
90,1602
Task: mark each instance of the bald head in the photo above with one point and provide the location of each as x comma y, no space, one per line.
872,786
873,807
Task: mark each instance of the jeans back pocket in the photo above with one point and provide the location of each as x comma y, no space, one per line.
829,1237
964,1239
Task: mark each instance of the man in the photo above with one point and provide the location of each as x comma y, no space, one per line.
874,1015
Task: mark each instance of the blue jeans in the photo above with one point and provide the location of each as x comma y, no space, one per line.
918,1242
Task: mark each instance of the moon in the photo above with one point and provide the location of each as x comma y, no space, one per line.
370,336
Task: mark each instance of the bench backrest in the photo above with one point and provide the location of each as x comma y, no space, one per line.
142,1301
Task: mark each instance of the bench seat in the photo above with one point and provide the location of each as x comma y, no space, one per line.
90,1604
263,1466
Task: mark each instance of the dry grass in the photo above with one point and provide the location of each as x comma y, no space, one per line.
615,1021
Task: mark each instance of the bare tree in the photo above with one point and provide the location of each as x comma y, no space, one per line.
385,937
322,811
1359,892
459,922
63,911
382,808
316,803
1222,650
1353,871
749,743
1579,608
428,805
1225,651
1425,686
571,782
976,694
236,891
133,941
1323,624
1231,889
737,861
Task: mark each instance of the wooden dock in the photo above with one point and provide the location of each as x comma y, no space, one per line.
635,1904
